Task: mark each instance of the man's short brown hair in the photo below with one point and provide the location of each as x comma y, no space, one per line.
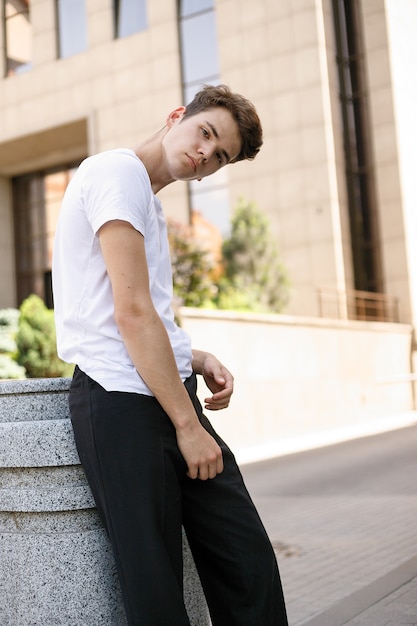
242,110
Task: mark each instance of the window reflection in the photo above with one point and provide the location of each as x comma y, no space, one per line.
130,17
200,59
18,35
36,203
190,7
72,27
209,199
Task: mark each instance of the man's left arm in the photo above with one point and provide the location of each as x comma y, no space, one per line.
217,378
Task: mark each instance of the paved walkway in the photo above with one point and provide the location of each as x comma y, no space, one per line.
388,601
348,559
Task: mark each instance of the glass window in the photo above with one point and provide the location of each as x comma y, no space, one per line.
200,60
18,35
190,7
200,65
72,27
359,167
129,17
210,198
36,202
198,33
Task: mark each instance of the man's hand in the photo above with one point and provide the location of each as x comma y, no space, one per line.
217,378
201,452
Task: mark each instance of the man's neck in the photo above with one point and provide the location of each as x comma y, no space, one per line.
150,153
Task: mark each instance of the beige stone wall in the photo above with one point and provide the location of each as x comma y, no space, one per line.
381,51
114,94
303,378
282,55
402,231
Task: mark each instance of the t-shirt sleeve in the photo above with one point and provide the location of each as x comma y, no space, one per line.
116,186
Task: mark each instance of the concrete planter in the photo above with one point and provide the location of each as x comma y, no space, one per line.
56,565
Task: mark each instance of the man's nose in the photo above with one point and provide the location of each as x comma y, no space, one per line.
205,153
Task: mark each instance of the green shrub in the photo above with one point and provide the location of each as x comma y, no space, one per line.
10,369
254,278
250,276
36,341
191,267
9,319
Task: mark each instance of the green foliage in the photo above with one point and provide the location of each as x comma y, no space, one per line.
36,341
254,278
9,319
10,369
191,267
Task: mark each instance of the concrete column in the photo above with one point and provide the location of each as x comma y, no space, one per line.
56,565
7,252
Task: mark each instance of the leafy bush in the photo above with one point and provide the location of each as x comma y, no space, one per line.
191,267
254,278
10,369
251,276
36,341
9,319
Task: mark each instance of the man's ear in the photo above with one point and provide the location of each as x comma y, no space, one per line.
175,116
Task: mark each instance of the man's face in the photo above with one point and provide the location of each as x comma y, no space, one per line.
200,145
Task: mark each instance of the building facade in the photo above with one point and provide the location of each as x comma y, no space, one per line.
334,83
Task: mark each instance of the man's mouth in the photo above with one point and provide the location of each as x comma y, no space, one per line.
193,163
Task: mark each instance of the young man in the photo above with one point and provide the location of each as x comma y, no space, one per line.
152,459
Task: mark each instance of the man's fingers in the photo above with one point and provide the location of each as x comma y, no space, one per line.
214,404
204,472
192,472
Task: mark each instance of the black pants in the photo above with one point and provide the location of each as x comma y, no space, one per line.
128,448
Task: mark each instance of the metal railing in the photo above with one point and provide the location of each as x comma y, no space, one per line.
358,305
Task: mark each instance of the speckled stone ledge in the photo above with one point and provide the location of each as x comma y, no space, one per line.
37,444
56,565
34,399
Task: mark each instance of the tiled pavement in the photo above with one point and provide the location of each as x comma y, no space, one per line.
330,551
348,559
398,608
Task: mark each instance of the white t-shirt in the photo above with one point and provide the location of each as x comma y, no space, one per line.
108,186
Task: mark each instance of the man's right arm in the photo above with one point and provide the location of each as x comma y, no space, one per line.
148,344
